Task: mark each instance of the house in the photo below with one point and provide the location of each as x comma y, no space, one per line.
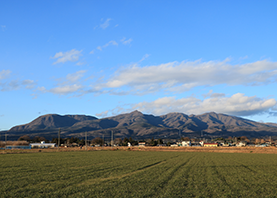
141,143
42,144
186,143
210,144
129,144
242,143
261,145
201,143
225,144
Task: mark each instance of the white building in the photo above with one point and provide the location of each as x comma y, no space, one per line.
141,144
42,144
186,143
242,143
201,143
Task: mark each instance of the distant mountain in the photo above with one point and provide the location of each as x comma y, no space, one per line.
52,121
139,125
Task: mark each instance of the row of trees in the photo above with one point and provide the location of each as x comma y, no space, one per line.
124,141
32,139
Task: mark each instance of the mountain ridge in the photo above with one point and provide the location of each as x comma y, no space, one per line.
137,124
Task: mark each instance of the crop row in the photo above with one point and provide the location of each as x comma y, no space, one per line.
138,174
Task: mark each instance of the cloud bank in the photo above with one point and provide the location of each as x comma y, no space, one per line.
238,105
179,77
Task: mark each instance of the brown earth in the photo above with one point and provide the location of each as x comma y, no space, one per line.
267,150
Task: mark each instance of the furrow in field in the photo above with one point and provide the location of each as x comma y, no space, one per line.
96,180
177,172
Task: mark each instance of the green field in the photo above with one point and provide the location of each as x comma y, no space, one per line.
138,174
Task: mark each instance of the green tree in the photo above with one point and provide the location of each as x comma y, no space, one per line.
160,141
24,137
97,140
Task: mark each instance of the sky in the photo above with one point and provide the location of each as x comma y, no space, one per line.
104,58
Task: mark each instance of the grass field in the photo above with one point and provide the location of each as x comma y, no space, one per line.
138,174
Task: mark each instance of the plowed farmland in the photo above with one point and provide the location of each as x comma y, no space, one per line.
138,174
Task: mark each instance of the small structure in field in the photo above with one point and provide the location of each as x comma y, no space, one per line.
242,143
42,144
210,144
186,143
201,143
129,144
225,144
141,143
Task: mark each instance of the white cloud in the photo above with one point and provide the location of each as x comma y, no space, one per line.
4,74
3,27
179,77
126,42
238,104
41,89
62,57
105,24
67,89
102,114
80,63
107,44
17,84
70,84
75,76
91,52
29,84
110,43
213,95
144,57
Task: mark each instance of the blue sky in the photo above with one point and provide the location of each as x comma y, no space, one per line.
103,58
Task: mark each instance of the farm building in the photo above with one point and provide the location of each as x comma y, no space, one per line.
186,143
42,144
141,143
210,144
242,143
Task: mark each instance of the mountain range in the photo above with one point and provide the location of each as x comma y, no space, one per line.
138,125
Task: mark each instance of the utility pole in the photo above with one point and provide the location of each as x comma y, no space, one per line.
86,140
103,140
59,137
180,135
6,140
112,139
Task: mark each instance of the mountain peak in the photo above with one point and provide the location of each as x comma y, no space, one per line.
136,112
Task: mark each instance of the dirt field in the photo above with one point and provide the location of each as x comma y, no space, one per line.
269,150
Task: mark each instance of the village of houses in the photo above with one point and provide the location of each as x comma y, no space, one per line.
186,142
